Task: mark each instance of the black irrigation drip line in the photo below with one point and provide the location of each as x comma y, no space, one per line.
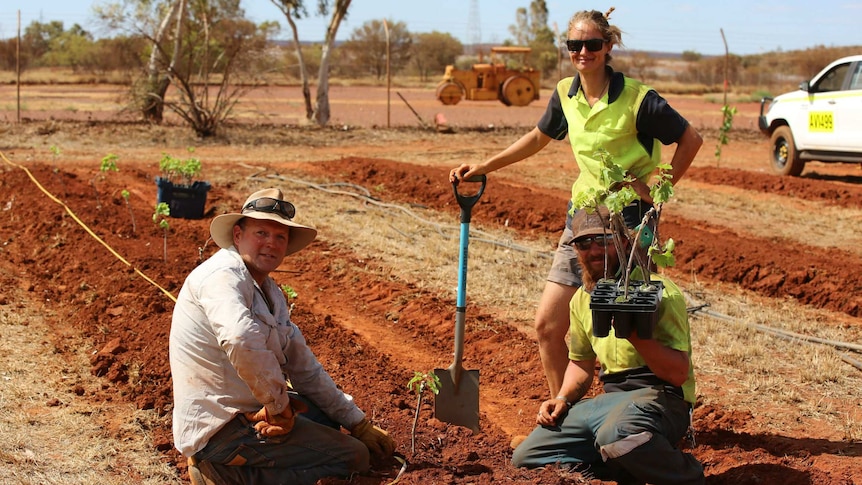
788,335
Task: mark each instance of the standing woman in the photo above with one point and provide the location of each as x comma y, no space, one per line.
597,109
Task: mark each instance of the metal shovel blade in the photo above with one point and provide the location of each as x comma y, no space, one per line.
458,400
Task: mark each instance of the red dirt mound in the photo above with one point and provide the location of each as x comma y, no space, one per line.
362,324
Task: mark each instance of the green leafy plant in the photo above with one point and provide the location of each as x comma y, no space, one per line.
289,294
125,194
108,164
419,383
726,124
288,291
616,194
160,217
55,153
179,171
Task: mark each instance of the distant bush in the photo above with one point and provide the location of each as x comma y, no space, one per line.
691,56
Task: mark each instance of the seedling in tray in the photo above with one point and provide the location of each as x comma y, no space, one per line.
627,295
179,171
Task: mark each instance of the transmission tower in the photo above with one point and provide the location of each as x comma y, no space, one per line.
474,28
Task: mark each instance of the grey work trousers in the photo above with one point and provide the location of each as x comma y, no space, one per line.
627,436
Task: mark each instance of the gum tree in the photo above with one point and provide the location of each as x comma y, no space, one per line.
293,10
202,48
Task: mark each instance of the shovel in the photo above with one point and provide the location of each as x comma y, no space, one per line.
458,400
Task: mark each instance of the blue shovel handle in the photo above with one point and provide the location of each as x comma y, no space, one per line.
466,202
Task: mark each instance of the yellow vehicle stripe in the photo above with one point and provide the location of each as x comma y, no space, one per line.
825,96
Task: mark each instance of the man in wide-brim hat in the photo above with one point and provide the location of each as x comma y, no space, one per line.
233,351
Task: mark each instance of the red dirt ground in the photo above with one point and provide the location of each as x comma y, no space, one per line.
360,325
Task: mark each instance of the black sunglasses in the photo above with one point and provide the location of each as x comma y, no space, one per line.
268,204
586,243
593,45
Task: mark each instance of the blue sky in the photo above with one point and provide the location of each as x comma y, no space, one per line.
751,26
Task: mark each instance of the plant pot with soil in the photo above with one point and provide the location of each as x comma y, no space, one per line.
177,186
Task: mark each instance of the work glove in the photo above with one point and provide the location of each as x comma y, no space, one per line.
267,424
377,440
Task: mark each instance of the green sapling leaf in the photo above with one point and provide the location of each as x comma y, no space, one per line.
109,163
616,201
163,210
663,257
290,292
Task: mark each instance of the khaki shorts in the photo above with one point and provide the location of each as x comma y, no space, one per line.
565,269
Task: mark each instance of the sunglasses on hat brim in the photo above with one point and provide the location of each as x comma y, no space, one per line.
272,206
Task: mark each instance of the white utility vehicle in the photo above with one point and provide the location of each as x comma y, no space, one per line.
821,121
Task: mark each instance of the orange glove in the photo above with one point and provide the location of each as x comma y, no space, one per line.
377,440
268,425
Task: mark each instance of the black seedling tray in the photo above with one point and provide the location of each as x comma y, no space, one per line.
639,313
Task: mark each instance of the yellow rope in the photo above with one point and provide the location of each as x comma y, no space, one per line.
89,231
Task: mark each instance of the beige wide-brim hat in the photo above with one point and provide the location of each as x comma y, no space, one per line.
300,236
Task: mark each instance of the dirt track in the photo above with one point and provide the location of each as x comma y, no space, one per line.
364,323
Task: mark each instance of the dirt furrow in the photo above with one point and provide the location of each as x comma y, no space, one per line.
843,191
372,332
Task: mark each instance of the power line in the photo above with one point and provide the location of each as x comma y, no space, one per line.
474,27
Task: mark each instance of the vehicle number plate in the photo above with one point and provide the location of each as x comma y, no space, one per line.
820,121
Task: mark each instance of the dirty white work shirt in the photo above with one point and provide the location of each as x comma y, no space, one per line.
231,351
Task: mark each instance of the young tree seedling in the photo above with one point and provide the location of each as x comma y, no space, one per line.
616,196
55,152
109,164
727,123
726,111
125,194
418,384
163,211
290,294
174,169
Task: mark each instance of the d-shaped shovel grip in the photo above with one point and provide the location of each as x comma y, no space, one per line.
466,202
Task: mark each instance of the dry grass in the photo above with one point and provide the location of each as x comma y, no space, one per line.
773,378
50,435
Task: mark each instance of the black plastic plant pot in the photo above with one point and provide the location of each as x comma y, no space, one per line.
602,321
623,323
185,201
639,313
